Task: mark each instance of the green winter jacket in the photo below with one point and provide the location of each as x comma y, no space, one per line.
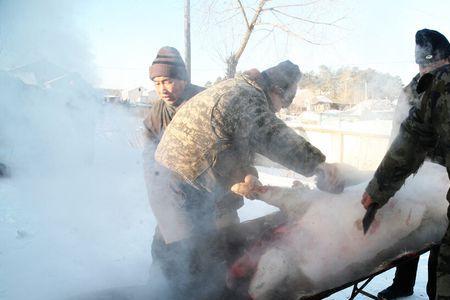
425,131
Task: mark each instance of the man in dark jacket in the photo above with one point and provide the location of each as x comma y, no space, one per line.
209,146
426,130
405,274
169,75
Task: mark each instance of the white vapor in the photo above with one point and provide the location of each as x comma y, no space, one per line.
74,215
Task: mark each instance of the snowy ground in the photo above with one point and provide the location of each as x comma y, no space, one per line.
385,279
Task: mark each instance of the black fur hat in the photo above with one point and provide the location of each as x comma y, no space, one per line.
431,46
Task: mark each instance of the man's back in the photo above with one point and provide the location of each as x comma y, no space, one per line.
224,127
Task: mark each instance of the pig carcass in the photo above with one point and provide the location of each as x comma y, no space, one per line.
324,246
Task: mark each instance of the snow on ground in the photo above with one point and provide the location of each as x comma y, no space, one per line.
385,279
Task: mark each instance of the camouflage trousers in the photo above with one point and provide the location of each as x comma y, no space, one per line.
443,270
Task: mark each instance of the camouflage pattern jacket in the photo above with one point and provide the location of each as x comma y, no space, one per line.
219,130
162,113
425,130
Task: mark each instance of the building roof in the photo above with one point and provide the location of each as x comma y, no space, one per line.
39,73
322,100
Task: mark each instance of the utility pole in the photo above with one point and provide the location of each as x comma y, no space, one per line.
187,37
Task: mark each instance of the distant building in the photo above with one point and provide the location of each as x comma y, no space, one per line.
41,73
135,95
113,95
322,103
141,96
46,75
308,100
302,101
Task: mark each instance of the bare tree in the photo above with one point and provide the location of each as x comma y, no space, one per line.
270,16
233,60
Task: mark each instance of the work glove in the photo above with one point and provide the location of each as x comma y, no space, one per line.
366,200
329,178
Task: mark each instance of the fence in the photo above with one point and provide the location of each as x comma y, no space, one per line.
361,150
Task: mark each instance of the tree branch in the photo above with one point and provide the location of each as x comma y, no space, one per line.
239,52
284,16
243,13
293,5
227,19
287,30
307,20
269,32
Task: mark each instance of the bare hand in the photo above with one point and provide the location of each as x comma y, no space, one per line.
250,188
366,200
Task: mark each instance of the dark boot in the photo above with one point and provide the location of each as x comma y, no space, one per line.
432,269
394,292
403,283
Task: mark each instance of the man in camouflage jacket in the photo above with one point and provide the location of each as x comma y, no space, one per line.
425,130
210,145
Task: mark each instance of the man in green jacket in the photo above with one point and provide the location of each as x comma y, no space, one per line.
425,130
405,274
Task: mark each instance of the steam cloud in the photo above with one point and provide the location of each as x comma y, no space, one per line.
74,216
32,31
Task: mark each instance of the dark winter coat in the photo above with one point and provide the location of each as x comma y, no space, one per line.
410,99
426,128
